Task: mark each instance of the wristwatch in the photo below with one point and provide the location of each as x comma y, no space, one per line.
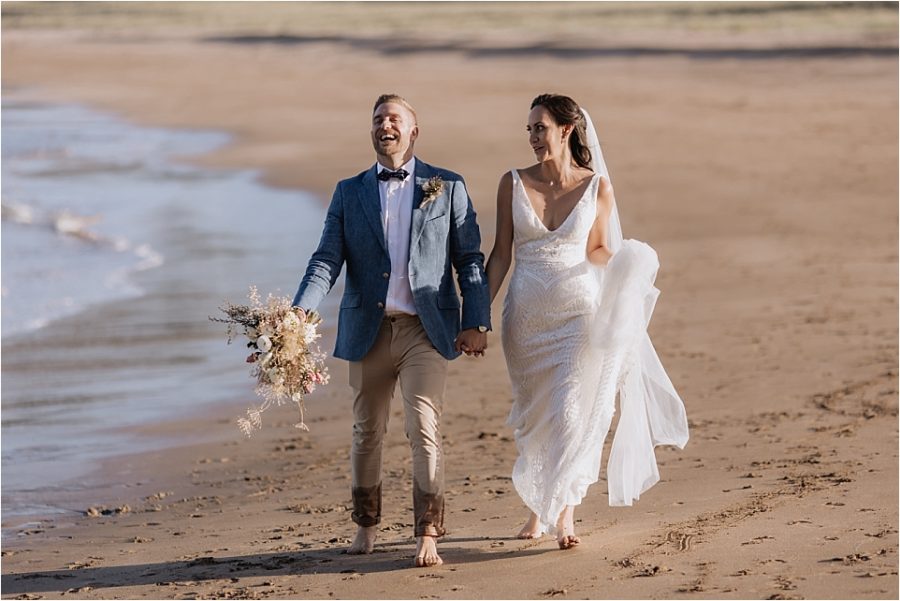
482,329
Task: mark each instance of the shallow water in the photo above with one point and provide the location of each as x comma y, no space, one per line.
113,257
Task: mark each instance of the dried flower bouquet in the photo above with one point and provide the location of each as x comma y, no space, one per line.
286,361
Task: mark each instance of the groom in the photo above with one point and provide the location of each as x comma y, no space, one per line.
399,226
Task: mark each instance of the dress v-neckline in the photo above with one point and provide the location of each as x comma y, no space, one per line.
534,212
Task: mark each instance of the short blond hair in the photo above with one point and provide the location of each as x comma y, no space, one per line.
397,99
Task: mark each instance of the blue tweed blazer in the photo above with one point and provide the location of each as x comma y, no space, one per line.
444,234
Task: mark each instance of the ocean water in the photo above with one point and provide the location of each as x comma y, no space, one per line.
74,188
114,254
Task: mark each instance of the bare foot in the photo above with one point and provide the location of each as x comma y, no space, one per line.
565,529
531,529
364,542
426,552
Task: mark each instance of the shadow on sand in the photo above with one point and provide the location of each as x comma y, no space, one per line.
387,557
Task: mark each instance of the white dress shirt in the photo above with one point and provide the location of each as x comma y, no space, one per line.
396,219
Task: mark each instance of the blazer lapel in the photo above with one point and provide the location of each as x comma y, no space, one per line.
371,205
423,173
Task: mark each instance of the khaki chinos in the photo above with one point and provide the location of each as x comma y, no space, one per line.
402,352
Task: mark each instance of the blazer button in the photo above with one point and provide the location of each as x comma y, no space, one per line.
385,275
381,305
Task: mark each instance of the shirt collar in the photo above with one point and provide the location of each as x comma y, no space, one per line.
410,167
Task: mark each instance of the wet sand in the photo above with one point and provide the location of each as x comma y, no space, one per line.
768,186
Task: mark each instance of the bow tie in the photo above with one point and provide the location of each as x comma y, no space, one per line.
386,174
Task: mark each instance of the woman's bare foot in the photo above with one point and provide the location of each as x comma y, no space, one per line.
565,529
531,529
364,542
426,552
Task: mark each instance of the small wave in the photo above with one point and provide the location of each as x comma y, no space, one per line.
63,222
42,154
36,324
120,279
150,259
17,213
115,278
75,167
76,226
120,244
73,225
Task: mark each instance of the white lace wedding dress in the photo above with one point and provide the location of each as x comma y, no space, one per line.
574,335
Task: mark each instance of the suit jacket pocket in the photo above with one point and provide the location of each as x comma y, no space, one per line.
448,301
350,301
430,218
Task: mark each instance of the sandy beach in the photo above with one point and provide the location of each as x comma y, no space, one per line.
760,161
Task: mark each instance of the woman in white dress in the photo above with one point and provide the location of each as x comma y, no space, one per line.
575,327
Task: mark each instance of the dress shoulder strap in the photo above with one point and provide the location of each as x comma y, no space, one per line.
596,184
517,185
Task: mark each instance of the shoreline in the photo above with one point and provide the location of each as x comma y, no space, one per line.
783,348
79,227
73,472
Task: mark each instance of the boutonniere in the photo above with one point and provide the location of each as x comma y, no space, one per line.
432,189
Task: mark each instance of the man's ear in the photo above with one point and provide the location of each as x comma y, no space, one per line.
414,133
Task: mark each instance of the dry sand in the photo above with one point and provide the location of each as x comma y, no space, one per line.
768,184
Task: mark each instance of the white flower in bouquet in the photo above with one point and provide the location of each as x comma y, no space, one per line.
290,322
275,377
309,333
266,358
264,343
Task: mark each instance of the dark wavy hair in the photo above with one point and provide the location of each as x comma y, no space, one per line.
566,111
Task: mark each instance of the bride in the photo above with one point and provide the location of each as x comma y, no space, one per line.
575,327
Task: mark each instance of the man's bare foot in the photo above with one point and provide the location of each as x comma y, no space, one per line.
531,529
364,542
426,552
565,529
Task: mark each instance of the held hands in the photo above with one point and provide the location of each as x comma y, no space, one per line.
471,342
